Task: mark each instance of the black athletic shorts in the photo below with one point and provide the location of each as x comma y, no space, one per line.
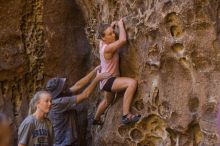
108,84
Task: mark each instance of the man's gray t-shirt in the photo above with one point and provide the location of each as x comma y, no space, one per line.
62,117
33,132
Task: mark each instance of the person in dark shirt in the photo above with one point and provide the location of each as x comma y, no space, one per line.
64,100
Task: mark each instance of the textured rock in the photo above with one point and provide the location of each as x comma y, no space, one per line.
39,39
12,56
65,40
173,51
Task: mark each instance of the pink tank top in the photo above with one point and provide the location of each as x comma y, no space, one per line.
110,66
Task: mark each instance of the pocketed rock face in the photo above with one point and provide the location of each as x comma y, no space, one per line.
39,40
173,52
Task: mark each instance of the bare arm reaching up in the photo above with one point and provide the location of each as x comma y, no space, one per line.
112,47
84,81
85,94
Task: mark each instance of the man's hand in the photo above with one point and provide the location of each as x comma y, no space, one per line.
102,76
85,94
97,68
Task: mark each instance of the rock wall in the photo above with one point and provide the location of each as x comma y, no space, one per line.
39,40
173,52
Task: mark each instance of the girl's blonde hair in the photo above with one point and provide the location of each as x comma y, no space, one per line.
32,105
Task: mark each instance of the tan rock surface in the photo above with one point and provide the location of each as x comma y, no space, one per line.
39,40
173,52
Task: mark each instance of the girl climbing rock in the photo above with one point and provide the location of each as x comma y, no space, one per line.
109,57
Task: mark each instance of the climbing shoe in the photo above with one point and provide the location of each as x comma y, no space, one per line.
127,120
